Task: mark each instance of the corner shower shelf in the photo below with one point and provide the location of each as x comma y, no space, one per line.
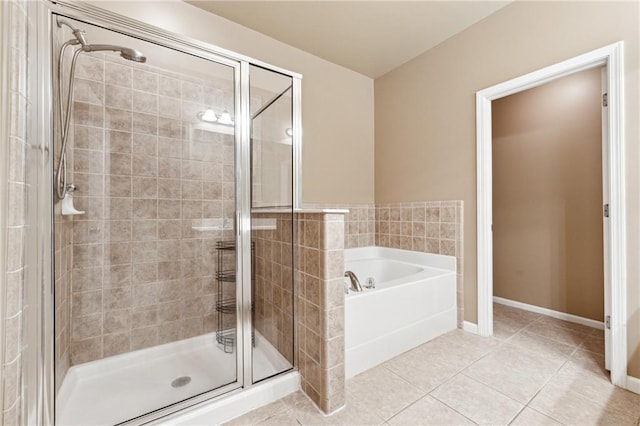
227,338
226,276
226,304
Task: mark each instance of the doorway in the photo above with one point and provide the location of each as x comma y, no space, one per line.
609,57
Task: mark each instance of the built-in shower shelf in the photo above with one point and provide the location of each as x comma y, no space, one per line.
204,225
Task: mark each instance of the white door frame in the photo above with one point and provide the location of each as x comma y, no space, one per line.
612,57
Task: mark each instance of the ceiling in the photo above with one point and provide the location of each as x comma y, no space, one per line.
370,37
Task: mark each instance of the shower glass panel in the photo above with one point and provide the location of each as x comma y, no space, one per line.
272,221
145,272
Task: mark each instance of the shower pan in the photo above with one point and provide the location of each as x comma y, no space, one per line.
171,278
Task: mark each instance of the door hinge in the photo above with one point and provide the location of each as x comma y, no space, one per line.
606,210
605,100
607,322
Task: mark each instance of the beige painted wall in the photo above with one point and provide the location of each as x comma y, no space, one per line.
425,114
547,196
337,103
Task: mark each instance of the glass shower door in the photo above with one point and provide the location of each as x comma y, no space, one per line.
145,269
272,221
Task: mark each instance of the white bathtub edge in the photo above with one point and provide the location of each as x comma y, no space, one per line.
372,353
439,261
236,404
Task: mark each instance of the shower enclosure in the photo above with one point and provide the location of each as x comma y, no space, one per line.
173,175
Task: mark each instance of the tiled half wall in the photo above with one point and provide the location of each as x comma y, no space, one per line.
320,308
424,226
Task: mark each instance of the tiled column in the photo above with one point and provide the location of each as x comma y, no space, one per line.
320,303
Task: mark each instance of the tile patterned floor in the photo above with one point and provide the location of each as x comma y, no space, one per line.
536,370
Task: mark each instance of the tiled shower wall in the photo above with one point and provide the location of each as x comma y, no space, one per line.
273,303
430,227
15,151
148,174
63,256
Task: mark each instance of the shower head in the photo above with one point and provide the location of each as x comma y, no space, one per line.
81,38
133,55
126,52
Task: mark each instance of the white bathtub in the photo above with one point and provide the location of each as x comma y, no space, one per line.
414,301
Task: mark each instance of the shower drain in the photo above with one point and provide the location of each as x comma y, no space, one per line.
181,381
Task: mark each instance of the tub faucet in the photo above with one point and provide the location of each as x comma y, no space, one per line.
355,283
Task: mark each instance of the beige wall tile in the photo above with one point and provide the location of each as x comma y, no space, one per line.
116,119
145,81
117,74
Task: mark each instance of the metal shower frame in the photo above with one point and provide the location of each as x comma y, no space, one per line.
40,394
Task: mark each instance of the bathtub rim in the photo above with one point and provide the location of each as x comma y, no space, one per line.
445,264
431,260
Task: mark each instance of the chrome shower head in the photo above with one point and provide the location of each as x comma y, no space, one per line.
125,52
133,55
81,38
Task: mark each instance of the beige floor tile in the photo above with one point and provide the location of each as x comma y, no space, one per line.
284,418
518,315
307,413
381,392
594,343
349,415
259,414
514,371
424,376
473,344
589,360
566,324
429,411
542,345
598,388
476,401
431,364
530,417
302,407
571,408
563,335
504,330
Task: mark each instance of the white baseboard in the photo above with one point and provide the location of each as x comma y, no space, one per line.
550,312
633,384
470,327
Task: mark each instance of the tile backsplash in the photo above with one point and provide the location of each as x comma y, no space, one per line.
430,227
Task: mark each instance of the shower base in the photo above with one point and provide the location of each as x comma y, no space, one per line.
119,388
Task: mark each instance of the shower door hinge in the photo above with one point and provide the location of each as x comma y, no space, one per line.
607,322
605,100
606,210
